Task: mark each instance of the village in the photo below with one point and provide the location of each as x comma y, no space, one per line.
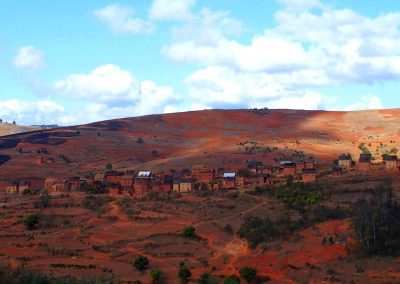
140,183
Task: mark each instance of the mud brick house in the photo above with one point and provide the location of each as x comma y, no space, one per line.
255,167
186,185
74,183
175,185
364,162
240,181
156,185
288,168
300,166
100,177
12,187
206,176
113,189
309,175
114,177
39,160
229,180
197,169
167,183
267,170
142,184
25,185
345,161
310,165
390,162
127,180
55,186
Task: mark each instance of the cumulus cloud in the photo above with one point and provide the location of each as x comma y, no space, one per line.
365,103
121,21
312,45
110,91
29,57
177,10
42,111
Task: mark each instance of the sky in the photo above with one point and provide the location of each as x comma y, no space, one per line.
74,62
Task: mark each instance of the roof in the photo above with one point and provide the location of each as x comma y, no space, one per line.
229,175
365,158
309,171
167,179
128,177
50,180
288,165
144,174
114,173
345,157
186,180
390,158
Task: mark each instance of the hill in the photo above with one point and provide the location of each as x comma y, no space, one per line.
217,138
10,128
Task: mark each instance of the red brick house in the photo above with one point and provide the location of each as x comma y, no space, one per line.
300,166
100,177
12,187
127,180
364,163
345,161
288,169
74,183
142,184
309,175
206,176
114,177
197,169
114,189
229,180
390,162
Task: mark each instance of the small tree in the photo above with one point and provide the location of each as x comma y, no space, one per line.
189,232
109,167
156,276
232,279
205,278
249,274
14,122
141,263
184,273
31,221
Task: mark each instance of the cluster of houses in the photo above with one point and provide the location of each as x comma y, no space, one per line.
140,183
365,163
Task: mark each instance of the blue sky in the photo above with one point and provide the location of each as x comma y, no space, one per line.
72,62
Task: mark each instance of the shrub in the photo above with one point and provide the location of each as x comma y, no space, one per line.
377,223
249,274
108,167
184,273
31,221
156,276
228,229
141,263
232,279
189,232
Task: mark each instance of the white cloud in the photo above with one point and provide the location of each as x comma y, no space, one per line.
121,21
365,103
178,10
312,45
42,111
105,84
29,57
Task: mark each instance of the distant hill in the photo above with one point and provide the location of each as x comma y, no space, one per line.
10,128
216,138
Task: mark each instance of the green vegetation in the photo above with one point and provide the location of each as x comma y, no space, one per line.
364,149
96,188
31,221
298,195
184,273
377,223
108,167
43,202
244,172
141,263
156,276
232,279
189,232
207,278
247,273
